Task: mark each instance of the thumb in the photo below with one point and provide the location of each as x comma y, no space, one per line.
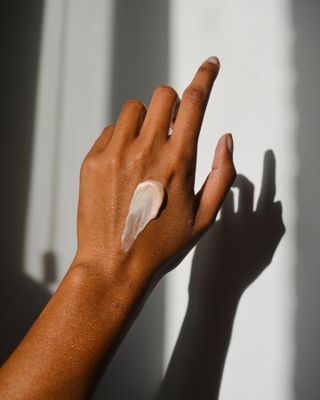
217,184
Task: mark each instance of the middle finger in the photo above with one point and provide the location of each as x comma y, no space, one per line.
193,105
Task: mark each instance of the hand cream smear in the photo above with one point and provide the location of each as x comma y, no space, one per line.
145,204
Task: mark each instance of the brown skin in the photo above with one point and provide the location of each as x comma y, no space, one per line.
71,342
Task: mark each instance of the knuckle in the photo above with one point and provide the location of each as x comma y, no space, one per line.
194,95
165,90
108,129
133,104
106,132
229,172
90,165
113,162
140,157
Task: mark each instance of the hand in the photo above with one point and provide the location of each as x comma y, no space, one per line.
74,338
138,148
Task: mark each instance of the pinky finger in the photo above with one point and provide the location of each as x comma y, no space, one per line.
103,140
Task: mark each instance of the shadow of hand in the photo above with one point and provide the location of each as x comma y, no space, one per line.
240,245
228,258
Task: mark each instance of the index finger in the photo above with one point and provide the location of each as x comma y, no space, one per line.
193,105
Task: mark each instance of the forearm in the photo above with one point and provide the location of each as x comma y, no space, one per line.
70,343
72,340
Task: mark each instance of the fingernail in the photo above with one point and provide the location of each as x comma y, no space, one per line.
214,60
230,143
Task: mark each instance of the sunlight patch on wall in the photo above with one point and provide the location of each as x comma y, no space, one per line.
253,98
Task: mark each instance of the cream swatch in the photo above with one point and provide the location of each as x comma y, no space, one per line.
145,204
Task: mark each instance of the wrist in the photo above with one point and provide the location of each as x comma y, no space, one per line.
119,285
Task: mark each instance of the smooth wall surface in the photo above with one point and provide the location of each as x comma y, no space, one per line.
254,98
68,67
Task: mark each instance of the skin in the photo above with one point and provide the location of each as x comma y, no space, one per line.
70,344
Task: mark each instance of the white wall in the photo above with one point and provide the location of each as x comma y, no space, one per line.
254,99
72,109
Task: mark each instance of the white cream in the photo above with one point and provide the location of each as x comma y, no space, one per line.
145,204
